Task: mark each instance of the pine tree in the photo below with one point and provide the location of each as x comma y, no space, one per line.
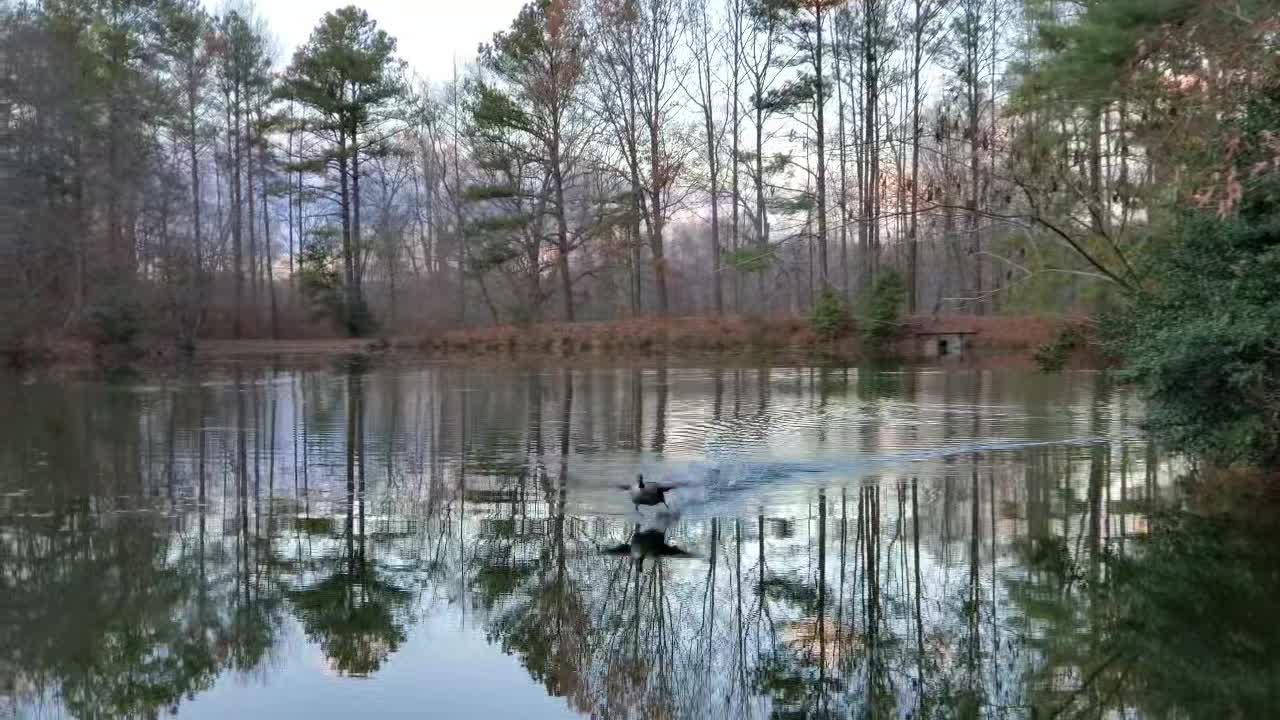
345,76
528,107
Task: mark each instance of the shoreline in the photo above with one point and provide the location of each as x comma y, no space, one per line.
994,341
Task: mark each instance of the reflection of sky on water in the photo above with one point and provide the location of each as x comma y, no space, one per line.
445,670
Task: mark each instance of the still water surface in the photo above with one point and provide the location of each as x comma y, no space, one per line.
434,542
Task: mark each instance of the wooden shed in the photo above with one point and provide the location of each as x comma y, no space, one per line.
943,344
943,337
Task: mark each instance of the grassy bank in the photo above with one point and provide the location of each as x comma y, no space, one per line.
999,339
985,336
1011,339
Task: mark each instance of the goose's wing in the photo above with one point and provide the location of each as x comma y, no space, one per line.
672,551
623,549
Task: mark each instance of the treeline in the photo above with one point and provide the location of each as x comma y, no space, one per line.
171,171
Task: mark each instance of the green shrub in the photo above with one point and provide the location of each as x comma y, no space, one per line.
1203,341
114,322
882,322
320,283
360,320
1201,338
1052,356
830,317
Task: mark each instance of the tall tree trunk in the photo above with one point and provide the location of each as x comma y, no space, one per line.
713,163
166,247
562,221
913,261
535,281
735,123
348,261
717,289
809,243
356,244
301,237
266,247
288,181
393,305
1097,195
562,246
871,136
118,251
861,155
1122,124
900,160
997,272
80,227
656,212
949,201
632,142
192,148
762,214
975,238
197,271
457,208
249,142
819,112
233,133
635,243
844,174
430,247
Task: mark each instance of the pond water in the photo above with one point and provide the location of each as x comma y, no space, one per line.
447,542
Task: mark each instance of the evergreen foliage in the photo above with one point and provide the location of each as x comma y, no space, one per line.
320,281
881,322
1202,342
830,317
1203,338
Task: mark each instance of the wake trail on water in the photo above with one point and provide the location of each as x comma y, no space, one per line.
728,479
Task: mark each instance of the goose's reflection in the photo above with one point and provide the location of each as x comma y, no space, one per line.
649,541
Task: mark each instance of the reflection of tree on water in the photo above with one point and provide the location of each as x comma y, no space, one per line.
548,628
974,589
844,651
103,603
148,645
255,606
796,672
660,416
354,612
1184,626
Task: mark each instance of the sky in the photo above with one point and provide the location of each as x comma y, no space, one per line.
430,32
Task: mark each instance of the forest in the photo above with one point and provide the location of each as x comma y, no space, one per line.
169,171
172,170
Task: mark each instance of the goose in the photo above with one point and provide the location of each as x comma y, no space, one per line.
650,494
